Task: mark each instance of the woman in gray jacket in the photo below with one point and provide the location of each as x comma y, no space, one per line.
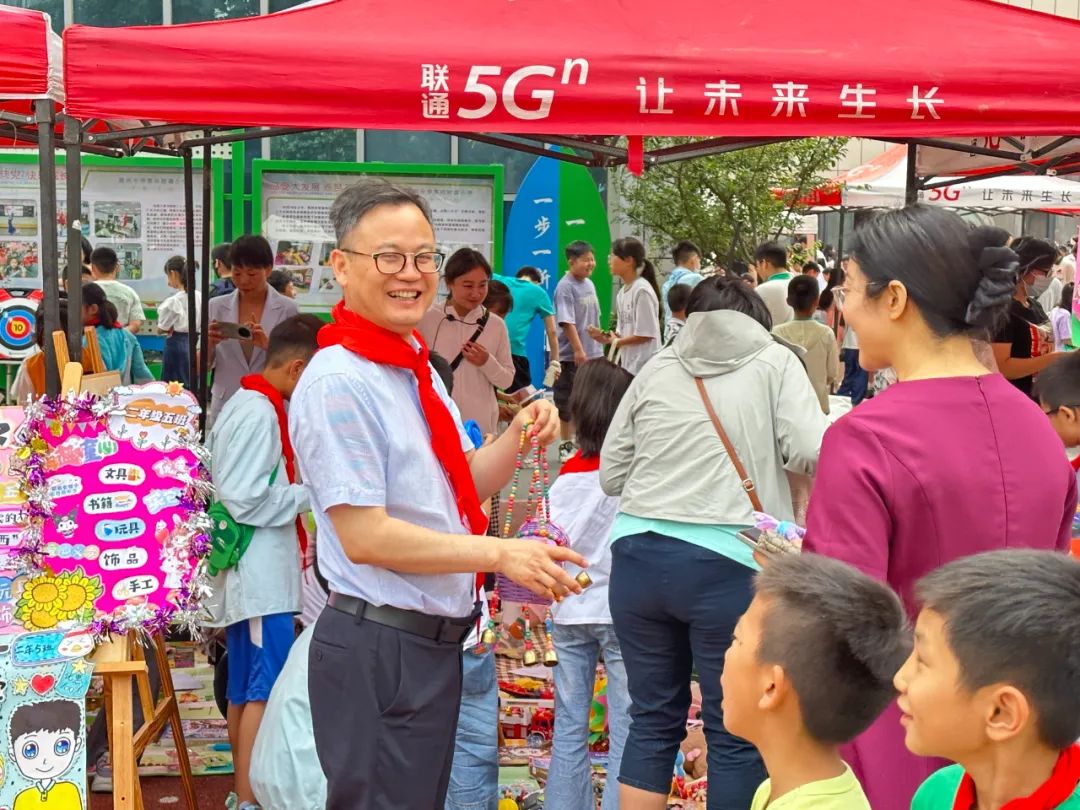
680,578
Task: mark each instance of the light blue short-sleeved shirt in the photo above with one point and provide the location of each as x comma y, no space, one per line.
362,440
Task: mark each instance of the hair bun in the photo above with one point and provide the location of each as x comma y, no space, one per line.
997,284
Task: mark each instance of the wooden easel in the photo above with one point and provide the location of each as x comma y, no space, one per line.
122,661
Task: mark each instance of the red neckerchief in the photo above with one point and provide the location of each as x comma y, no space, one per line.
96,321
1076,464
387,348
258,384
1054,792
578,463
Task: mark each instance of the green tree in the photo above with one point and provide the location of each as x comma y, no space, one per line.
726,203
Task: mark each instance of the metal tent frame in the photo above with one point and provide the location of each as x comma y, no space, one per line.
101,137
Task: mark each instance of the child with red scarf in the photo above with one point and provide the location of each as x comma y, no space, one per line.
583,626
253,470
992,683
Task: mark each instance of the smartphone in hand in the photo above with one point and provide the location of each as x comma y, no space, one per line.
233,331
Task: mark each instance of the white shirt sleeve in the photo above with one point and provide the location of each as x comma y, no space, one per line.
646,315
336,426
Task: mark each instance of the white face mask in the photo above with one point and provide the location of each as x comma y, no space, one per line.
1038,285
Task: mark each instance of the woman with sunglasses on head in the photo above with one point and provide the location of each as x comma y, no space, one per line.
1024,345
472,338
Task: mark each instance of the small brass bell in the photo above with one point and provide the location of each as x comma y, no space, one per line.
488,636
550,658
530,658
583,579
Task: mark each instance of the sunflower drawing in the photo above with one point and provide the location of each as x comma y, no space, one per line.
49,599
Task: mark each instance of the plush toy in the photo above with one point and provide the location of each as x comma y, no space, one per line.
694,750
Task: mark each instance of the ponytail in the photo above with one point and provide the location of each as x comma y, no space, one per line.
648,272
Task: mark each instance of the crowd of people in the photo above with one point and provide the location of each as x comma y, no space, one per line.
926,622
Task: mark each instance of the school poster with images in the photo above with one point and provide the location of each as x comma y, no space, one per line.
135,206
44,676
295,199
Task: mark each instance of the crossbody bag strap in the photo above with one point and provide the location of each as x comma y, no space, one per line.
747,482
480,324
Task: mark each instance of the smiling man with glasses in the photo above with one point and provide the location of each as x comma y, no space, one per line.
396,490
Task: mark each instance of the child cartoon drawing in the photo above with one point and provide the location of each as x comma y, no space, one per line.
65,524
44,738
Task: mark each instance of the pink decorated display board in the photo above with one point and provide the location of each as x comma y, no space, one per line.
116,492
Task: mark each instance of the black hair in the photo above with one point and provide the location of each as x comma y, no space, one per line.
499,300
49,715
252,251
1066,297
280,280
718,292
839,635
630,247
1058,385
39,320
93,295
104,260
836,279
962,279
442,368
682,252
575,250
294,338
811,267
358,200
531,273
1034,254
678,296
1006,617
462,261
738,268
803,293
220,253
178,265
599,386
772,253
87,249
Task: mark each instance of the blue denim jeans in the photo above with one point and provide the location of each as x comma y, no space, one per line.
856,378
569,785
675,606
474,778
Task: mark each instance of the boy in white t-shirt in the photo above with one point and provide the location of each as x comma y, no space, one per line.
104,265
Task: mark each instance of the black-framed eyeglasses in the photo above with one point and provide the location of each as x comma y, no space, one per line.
390,263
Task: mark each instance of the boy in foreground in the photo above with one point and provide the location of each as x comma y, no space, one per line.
992,683
810,668
254,472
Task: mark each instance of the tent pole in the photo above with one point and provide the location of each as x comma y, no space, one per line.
839,265
72,147
911,190
45,114
189,229
207,207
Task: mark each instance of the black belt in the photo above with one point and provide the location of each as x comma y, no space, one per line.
436,628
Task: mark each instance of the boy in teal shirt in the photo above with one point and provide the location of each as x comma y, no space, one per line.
809,668
530,301
994,682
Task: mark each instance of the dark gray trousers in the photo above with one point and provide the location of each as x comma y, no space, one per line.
384,707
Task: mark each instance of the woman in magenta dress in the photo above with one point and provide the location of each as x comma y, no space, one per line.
951,460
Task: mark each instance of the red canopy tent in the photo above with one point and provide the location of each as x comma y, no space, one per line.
934,68
583,73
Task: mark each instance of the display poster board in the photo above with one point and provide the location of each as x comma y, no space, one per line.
133,205
118,511
293,199
44,676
